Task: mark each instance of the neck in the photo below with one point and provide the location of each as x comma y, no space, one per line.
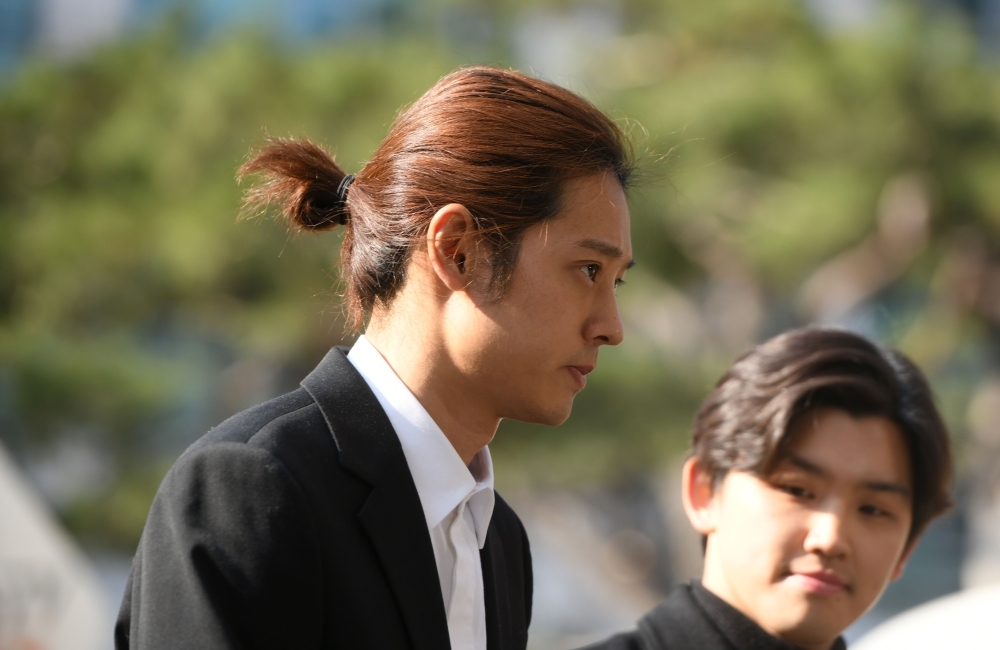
415,350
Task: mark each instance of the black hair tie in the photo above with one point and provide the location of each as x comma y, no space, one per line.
342,188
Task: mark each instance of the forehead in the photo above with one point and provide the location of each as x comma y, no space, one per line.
592,210
845,448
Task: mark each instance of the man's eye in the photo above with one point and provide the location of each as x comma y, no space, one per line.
874,511
795,491
591,270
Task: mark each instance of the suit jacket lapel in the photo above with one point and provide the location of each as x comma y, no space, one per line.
495,590
392,517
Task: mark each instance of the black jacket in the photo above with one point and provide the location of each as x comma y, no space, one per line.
296,524
693,618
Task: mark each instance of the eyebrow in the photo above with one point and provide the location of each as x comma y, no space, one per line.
604,248
888,486
877,486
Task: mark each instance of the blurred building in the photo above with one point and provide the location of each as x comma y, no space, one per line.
50,598
69,27
66,28
18,26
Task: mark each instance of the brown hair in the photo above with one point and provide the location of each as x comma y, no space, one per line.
496,141
745,422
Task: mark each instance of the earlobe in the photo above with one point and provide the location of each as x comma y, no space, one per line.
697,493
897,572
450,238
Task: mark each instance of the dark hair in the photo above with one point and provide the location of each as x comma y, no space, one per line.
496,141
744,424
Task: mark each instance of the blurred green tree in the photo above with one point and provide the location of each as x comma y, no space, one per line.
127,286
812,174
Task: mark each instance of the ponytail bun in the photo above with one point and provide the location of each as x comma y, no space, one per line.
302,178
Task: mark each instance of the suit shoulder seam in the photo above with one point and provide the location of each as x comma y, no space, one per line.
282,416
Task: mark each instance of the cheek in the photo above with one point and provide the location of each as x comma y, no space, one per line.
499,347
468,329
878,555
536,320
761,533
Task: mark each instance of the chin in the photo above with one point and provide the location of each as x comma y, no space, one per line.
550,414
555,419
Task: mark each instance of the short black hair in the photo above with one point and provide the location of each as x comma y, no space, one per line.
744,423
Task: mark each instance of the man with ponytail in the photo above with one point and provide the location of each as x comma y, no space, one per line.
483,244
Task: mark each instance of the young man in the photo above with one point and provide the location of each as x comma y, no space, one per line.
483,243
817,462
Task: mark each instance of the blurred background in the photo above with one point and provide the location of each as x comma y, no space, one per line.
804,161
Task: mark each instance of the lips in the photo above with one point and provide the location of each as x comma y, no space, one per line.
579,374
820,583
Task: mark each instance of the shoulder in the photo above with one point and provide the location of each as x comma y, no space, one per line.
626,641
257,424
246,459
230,529
248,489
281,450
680,623
323,444
294,428
675,624
301,417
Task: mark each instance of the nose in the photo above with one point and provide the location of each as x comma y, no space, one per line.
605,325
826,534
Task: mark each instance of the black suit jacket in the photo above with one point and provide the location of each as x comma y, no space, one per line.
693,618
296,524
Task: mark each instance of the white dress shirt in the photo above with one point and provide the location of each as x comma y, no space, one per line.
457,500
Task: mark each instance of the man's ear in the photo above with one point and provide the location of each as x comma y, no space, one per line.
897,572
697,492
451,245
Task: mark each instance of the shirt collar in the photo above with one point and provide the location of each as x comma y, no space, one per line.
442,480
